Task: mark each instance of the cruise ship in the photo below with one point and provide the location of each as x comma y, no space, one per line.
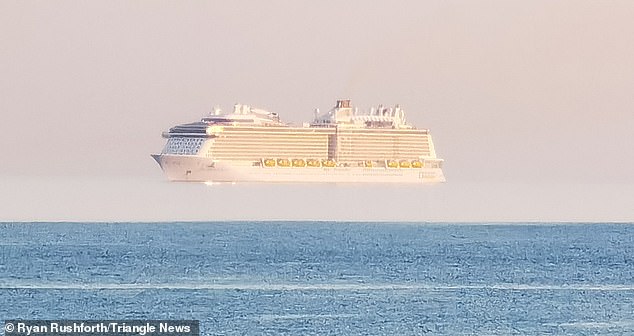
342,145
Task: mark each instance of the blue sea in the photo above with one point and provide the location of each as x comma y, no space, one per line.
326,278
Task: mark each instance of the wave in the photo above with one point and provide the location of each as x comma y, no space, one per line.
271,317
308,287
593,324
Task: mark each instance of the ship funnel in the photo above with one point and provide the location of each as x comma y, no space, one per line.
343,111
343,103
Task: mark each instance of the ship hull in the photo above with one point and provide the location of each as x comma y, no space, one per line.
192,168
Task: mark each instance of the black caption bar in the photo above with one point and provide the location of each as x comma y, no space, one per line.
101,328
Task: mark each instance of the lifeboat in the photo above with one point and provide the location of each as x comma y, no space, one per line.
269,163
404,164
368,164
328,163
312,163
392,164
417,164
299,163
283,163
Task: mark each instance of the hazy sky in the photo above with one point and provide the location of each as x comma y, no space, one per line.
530,103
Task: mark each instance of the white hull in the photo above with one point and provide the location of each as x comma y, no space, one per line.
194,168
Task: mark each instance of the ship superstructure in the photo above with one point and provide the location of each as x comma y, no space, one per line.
340,145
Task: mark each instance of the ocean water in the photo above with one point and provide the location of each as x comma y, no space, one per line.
326,278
